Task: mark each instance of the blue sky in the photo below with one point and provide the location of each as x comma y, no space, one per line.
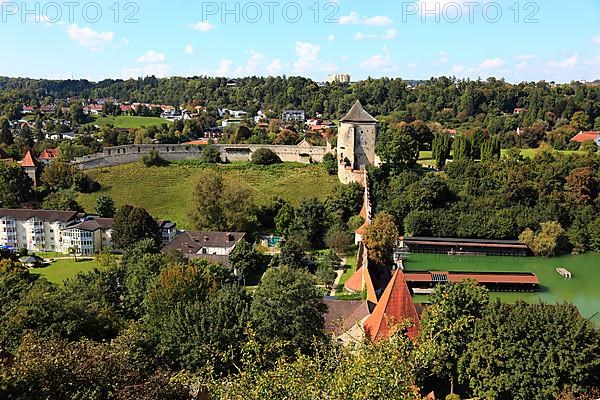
416,39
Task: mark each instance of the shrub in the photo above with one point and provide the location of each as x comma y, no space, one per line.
265,157
330,164
153,159
84,184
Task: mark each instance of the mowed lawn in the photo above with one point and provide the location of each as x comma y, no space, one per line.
61,270
583,290
128,122
167,192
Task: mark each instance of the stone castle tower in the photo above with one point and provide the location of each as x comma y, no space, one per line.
357,136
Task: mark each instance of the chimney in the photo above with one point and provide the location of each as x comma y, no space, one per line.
229,237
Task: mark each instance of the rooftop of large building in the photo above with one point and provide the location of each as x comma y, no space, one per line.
24,214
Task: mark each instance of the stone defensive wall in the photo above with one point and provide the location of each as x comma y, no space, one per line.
113,156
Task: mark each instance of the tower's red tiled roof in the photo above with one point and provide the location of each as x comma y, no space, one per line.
29,160
394,306
360,281
356,282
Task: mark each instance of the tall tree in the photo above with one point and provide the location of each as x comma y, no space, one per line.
131,225
381,239
16,185
6,136
288,307
105,206
221,205
448,324
531,351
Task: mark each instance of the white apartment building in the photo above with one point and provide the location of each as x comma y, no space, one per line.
35,230
339,78
61,231
88,237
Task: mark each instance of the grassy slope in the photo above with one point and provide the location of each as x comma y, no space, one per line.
61,270
127,122
167,192
582,290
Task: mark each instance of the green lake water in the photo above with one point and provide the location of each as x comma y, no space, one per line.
583,289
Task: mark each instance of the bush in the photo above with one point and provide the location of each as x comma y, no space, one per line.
153,159
265,157
84,184
453,397
330,164
339,240
211,155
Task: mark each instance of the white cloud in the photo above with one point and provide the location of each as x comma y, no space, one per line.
90,38
158,70
525,57
442,59
151,57
381,63
390,34
412,65
595,39
308,55
203,26
274,68
189,49
224,67
252,66
457,69
355,19
564,64
331,38
492,63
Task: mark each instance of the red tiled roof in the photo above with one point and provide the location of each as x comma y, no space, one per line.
395,306
29,160
480,278
585,136
48,154
496,278
355,283
198,142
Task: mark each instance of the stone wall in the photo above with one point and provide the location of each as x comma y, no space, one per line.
113,156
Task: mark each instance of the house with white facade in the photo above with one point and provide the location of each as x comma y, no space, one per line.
35,230
89,237
62,231
211,246
293,115
168,231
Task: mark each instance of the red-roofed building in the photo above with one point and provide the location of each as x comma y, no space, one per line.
394,307
47,156
585,136
30,165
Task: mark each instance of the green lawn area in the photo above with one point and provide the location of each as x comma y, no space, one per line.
530,153
50,254
128,122
167,192
61,270
582,290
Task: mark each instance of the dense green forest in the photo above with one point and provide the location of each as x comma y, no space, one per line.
443,99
